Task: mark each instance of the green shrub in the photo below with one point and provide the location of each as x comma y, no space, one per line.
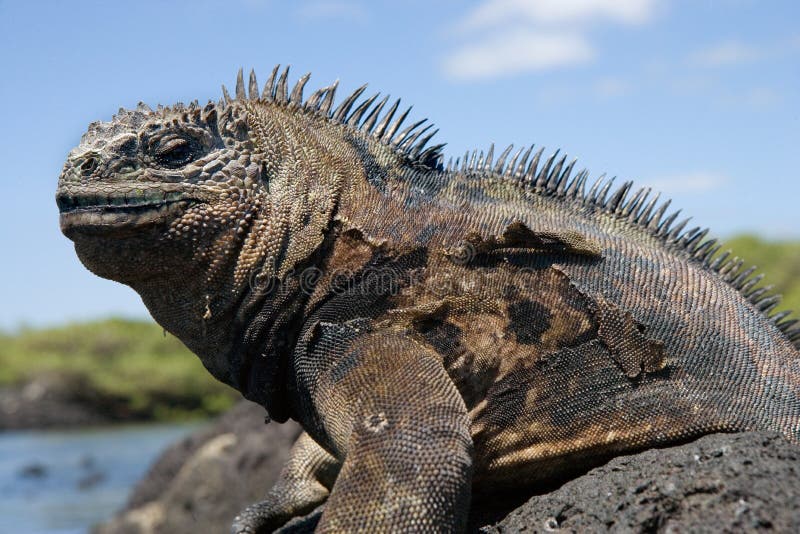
778,260
133,365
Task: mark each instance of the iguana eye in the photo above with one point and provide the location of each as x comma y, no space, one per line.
173,152
89,165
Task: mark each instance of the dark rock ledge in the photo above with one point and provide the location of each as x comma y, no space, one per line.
719,483
55,401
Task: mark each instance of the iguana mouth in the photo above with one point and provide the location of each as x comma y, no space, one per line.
100,214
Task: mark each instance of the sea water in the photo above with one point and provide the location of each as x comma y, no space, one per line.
63,482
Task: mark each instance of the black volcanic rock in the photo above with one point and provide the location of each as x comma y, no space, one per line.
719,483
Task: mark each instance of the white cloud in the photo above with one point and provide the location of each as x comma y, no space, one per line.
504,37
551,12
757,98
728,53
737,52
762,97
611,87
517,51
689,182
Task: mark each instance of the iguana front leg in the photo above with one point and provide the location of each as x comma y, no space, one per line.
304,484
403,430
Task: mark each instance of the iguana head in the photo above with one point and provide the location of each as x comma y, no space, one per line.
147,179
192,205
164,201
201,208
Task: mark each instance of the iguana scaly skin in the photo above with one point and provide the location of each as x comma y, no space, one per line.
439,331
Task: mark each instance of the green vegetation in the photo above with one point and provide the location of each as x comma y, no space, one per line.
130,368
779,261
135,371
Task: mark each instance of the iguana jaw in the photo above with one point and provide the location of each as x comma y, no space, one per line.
99,215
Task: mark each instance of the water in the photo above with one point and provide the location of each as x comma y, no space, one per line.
63,482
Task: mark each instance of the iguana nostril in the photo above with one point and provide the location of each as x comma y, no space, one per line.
89,165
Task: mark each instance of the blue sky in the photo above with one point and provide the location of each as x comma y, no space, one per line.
699,98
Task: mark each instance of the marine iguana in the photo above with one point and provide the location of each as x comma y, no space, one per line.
439,331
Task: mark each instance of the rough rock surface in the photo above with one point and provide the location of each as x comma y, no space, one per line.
200,483
723,482
719,483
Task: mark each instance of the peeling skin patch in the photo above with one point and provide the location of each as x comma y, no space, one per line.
376,422
518,236
472,375
528,320
348,362
625,339
443,336
508,397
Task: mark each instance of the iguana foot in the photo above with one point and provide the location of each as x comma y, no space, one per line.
257,518
301,487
